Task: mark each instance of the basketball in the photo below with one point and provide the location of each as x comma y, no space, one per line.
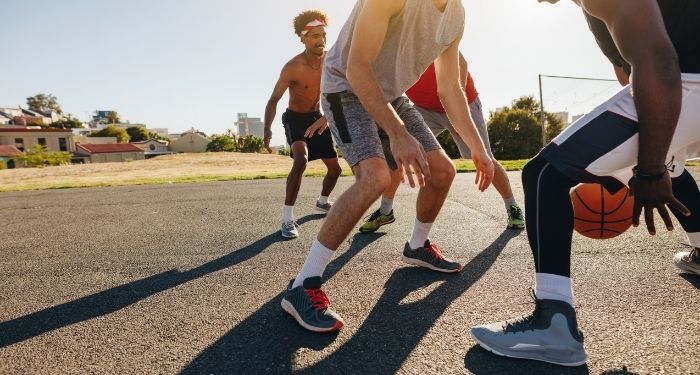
599,214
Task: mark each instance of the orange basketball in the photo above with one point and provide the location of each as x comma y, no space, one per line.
599,214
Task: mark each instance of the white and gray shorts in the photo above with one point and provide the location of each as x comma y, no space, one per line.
359,137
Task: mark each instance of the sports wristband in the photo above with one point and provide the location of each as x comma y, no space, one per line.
645,176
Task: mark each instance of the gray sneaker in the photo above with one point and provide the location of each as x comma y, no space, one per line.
688,261
308,305
549,334
429,256
325,207
289,229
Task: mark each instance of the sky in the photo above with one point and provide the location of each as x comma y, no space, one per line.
182,64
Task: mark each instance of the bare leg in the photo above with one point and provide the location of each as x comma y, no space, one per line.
300,153
501,181
390,192
371,179
432,196
332,175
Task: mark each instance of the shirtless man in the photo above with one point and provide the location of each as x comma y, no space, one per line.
304,125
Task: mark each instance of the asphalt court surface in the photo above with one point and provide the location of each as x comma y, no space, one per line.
188,279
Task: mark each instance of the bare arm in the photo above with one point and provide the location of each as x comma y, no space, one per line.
450,67
621,76
370,31
281,86
637,27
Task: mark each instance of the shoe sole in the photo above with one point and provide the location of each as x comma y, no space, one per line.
421,263
366,231
289,309
488,348
686,269
516,227
322,209
289,236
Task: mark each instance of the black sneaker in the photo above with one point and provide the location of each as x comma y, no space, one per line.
429,256
308,304
549,334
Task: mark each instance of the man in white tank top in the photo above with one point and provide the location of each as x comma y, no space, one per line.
382,50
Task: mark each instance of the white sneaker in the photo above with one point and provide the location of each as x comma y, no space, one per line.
687,261
289,229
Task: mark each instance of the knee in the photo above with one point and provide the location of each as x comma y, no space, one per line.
374,176
335,170
442,173
532,171
300,161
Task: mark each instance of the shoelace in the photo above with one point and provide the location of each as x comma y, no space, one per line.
289,225
319,300
523,323
374,215
435,251
515,211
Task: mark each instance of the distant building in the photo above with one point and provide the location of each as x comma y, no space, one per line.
107,153
563,116
96,140
7,153
163,132
99,118
190,141
250,125
153,147
25,138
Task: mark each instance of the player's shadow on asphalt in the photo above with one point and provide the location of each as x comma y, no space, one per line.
692,279
117,298
268,342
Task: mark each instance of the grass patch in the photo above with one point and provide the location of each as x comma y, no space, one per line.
182,169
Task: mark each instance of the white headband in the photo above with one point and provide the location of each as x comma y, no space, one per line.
309,26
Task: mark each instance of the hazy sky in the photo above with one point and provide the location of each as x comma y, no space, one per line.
185,63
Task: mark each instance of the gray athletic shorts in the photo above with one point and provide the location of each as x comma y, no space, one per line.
359,137
438,122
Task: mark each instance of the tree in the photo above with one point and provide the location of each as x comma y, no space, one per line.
40,156
67,123
448,144
250,143
112,131
113,117
44,102
516,131
221,143
137,134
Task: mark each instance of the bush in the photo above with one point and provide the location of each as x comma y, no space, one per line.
232,143
286,151
40,156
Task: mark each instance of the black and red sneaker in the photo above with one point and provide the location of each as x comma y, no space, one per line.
430,256
308,304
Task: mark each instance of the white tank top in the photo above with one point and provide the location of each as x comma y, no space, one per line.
416,36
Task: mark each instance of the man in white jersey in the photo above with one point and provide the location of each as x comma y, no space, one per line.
382,49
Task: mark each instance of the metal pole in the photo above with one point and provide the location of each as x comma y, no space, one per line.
541,111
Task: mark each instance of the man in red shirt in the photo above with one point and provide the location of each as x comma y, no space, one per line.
425,98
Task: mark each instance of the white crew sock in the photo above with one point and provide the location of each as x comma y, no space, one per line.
316,262
556,287
420,234
509,202
322,199
287,213
386,206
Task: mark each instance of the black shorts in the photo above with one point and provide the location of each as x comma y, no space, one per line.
295,125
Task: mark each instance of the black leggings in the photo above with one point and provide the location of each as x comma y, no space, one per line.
549,215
